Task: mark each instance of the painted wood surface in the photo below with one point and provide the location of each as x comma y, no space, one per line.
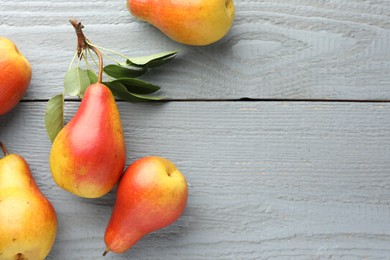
268,180
279,49
294,174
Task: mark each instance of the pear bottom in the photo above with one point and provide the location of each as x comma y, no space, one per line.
28,225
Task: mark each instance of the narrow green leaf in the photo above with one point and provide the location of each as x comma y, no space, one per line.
76,81
152,61
147,97
137,86
118,71
119,90
93,78
54,117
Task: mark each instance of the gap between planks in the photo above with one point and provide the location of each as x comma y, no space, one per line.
241,100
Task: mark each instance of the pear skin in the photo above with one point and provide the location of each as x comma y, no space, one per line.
152,194
192,22
15,75
88,155
28,221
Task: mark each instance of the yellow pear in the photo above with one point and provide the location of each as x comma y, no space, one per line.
28,221
192,22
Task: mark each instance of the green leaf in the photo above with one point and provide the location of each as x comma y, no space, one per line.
54,117
118,71
152,61
147,97
119,90
93,78
76,81
137,86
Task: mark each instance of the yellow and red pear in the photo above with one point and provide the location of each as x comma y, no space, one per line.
151,195
15,75
192,22
28,221
88,155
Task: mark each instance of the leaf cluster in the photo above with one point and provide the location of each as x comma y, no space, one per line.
122,80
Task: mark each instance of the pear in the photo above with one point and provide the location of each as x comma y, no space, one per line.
28,222
15,75
88,155
192,22
151,195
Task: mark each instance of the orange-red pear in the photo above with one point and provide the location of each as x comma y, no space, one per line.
152,194
15,75
88,155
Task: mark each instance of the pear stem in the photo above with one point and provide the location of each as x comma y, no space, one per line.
106,251
83,43
4,149
99,55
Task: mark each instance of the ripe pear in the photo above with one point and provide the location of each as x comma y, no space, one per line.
15,75
152,194
28,221
88,155
192,22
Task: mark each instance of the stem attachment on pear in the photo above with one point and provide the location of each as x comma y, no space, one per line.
4,149
83,43
106,251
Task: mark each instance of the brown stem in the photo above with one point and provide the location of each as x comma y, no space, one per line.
81,40
106,251
97,52
4,149
83,43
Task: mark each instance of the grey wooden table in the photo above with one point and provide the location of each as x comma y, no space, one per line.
282,128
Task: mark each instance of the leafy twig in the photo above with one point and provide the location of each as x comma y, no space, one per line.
122,78
83,44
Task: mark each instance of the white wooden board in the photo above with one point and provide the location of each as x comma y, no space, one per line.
294,174
284,49
268,180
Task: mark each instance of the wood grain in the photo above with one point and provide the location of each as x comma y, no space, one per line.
279,49
268,180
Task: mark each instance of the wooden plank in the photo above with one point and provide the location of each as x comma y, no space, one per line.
285,49
268,180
